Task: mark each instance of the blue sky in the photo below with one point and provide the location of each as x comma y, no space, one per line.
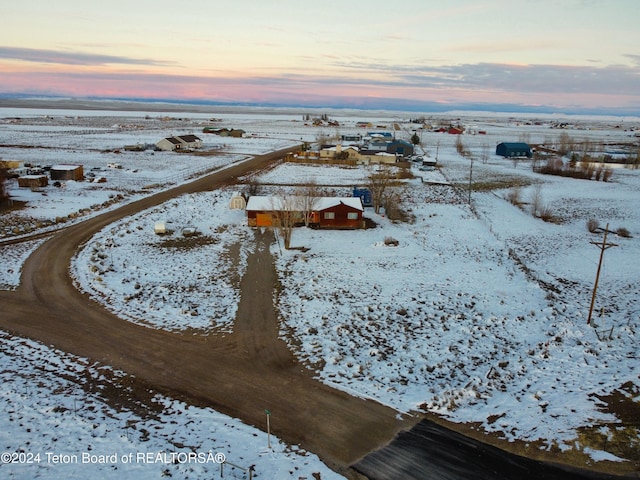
558,55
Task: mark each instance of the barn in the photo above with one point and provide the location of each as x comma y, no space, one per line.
513,149
67,172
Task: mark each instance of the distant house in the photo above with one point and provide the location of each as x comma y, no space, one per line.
386,136
325,212
369,157
351,138
169,144
225,132
183,142
350,155
67,172
190,141
513,149
377,145
400,147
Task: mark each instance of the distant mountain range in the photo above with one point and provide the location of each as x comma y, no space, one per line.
382,104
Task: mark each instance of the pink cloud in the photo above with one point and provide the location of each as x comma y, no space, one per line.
483,83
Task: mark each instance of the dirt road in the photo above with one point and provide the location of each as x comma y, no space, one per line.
241,374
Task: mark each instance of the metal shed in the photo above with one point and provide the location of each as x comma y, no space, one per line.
237,202
513,149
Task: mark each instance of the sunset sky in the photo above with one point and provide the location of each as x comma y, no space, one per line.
557,55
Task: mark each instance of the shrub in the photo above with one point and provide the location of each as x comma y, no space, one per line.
514,196
546,213
592,225
623,232
536,201
391,242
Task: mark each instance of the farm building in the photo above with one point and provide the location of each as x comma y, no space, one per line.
67,172
33,181
225,132
513,149
183,142
237,202
400,147
324,212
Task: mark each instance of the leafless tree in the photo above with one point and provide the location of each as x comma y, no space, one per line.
536,201
308,195
486,152
322,139
253,187
565,143
286,214
378,182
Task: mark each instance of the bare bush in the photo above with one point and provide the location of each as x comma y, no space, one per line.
566,143
391,242
599,173
593,225
536,201
584,170
546,213
514,196
623,232
459,145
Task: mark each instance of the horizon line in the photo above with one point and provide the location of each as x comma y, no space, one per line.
377,104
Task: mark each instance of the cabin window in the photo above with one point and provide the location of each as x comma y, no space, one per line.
352,215
329,215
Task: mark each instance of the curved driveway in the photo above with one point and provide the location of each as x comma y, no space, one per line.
240,374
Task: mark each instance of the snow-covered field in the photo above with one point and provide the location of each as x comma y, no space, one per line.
479,314
56,423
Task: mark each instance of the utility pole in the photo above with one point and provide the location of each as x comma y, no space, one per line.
268,428
603,246
470,175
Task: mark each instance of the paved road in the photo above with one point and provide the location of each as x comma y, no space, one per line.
430,451
240,374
